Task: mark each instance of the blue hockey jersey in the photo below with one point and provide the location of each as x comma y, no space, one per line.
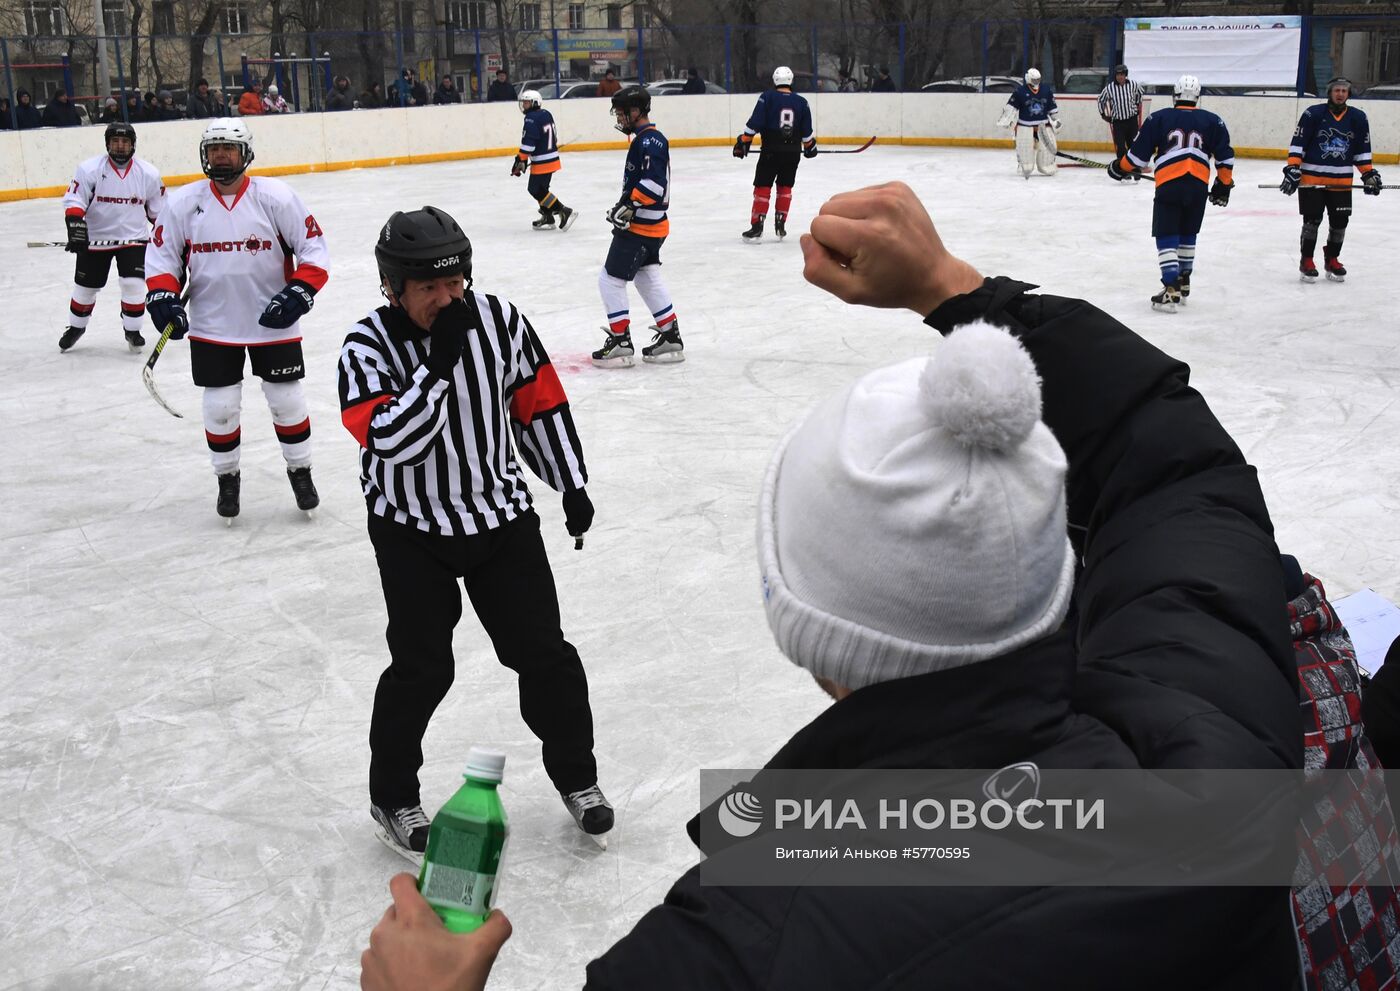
1328,146
783,119
539,144
1183,139
1034,106
647,181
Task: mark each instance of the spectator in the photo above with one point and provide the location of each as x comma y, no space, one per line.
845,84
7,121
447,92
274,102
26,116
694,85
111,111
200,104
135,109
338,98
884,84
151,104
609,84
501,89
218,106
419,91
60,112
250,102
372,98
165,108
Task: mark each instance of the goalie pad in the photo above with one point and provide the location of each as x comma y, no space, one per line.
1045,151
1008,116
1025,149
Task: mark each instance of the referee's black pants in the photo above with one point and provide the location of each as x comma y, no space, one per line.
1123,133
507,577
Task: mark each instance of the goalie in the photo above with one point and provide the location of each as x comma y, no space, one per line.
1033,113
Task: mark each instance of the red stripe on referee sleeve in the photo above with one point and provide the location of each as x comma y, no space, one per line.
356,418
312,275
163,282
539,396
73,211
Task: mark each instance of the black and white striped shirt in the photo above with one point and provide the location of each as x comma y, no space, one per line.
1120,101
437,454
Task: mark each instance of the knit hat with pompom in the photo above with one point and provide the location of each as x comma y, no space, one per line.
915,521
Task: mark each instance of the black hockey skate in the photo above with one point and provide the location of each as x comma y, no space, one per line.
70,337
753,233
1184,284
780,225
405,831
303,488
1307,270
545,223
592,812
616,351
134,340
1167,299
666,347
227,506
566,217
1336,271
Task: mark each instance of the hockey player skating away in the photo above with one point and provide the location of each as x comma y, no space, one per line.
113,199
1032,111
434,386
539,151
1184,139
784,122
639,229
252,258
1330,140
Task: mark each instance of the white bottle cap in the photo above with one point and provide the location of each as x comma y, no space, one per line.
485,763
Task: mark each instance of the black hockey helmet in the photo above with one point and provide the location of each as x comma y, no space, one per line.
627,99
1120,67
1338,81
119,129
424,244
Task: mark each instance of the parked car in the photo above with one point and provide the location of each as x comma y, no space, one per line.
1084,81
671,87
1382,91
972,84
570,89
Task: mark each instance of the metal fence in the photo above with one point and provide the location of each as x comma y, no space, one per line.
403,68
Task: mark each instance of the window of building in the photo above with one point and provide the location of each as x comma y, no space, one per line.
644,17
236,18
404,10
163,17
615,16
529,17
43,18
113,17
467,15
575,17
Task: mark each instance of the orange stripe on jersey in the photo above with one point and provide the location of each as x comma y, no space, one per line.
540,395
1226,174
356,418
1183,166
162,282
546,167
1295,159
652,230
642,197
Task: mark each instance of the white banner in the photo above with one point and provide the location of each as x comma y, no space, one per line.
1219,51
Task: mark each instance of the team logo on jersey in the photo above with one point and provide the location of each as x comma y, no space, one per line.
122,200
1334,143
253,245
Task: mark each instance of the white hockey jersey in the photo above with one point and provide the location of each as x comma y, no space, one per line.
235,253
120,204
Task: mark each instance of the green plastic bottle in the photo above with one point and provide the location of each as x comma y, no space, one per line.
465,844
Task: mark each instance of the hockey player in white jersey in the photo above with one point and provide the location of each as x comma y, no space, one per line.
1032,111
251,258
109,208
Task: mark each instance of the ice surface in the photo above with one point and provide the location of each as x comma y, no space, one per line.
183,728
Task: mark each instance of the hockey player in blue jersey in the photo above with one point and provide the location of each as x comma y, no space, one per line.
1184,139
1033,113
539,151
640,227
1331,139
784,122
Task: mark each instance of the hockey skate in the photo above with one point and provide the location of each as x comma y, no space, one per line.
666,347
1336,271
616,351
227,506
1184,284
567,218
754,233
70,337
1307,270
592,812
405,831
304,489
134,340
545,223
780,225
1167,299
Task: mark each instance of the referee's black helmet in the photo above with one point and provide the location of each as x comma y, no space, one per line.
423,244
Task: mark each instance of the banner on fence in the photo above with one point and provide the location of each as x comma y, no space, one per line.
1220,51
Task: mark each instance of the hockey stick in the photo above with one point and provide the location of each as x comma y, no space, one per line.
846,151
148,373
1082,161
1357,185
131,243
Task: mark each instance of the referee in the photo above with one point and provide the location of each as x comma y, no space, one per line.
1120,104
433,386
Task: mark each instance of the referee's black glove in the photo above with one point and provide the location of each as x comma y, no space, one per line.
578,512
449,332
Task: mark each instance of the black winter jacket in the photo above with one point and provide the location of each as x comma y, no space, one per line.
26,115
199,107
1177,656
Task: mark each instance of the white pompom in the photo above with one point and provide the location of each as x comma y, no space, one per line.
982,388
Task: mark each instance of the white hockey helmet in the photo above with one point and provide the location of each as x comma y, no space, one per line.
1032,77
782,76
529,99
226,131
1187,90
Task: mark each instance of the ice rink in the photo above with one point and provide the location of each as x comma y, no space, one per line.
183,728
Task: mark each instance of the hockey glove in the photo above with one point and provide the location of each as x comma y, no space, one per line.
166,309
741,147
77,234
288,306
578,512
1220,193
620,216
1372,181
810,151
1115,171
517,167
1055,123
449,332
1292,175
1008,116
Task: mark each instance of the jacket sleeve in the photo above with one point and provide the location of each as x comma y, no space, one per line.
396,421
1181,593
539,412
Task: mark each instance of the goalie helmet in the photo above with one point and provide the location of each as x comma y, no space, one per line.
529,100
782,76
424,244
226,131
1032,77
119,129
1187,89
624,101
